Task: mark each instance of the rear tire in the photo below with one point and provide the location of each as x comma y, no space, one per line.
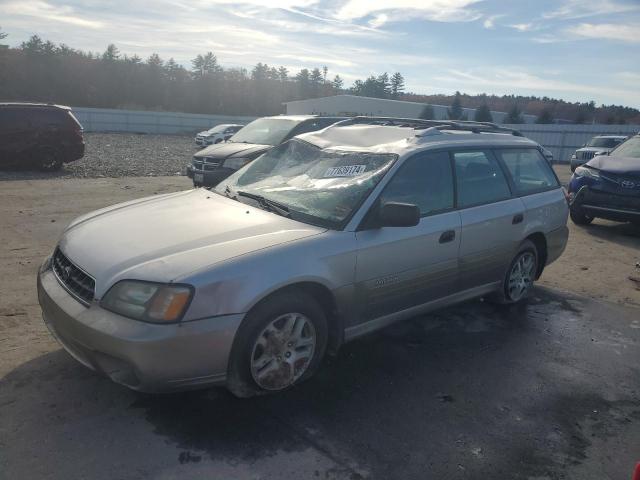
580,218
520,275
280,343
49,161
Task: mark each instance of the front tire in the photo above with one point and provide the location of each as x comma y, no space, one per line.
280,343
580,218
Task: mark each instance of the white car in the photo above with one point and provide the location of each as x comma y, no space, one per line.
217,134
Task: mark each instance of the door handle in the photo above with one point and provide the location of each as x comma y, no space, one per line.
518,218
447,236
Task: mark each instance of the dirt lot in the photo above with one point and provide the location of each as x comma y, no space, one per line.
561,373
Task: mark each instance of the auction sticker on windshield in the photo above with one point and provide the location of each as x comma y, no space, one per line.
346,171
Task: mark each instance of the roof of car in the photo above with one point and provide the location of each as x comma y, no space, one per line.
33,105
301,118
401,139
610,136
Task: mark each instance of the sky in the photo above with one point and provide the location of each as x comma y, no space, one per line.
578,50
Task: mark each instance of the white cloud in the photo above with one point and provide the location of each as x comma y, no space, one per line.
523,27
398,10
513,79
490,21
607,31
46,11
572,9
317,60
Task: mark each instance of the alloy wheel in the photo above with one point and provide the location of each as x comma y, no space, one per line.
283,351
521,276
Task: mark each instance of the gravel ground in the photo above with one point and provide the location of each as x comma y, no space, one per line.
122,155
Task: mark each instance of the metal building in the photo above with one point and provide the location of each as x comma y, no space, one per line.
351,105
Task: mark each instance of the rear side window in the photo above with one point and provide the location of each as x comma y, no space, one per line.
529,170
425,181
12,119
479,179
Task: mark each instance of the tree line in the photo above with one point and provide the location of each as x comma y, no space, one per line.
43,71
40,70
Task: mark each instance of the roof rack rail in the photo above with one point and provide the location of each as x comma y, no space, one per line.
420,124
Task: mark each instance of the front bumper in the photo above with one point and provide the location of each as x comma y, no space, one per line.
142,356
210,178
611,206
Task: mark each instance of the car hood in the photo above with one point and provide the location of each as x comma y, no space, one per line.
617,165
594,149
231,149
164,238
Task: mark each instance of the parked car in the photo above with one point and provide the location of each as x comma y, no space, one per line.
598,145
608,186
217,134
331,235
37,135
215,163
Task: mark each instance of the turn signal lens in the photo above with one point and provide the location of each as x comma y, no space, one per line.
148,301
169,303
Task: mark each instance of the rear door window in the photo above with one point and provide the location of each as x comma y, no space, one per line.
425,181
529,171
479,179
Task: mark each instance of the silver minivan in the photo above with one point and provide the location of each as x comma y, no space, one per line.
327,237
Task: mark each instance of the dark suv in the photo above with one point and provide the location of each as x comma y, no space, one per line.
38,135
213,164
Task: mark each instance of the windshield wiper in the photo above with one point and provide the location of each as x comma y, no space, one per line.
267,204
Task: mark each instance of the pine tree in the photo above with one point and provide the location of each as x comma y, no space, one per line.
154,60
32,46
483,114
111,54
283,74
545,116
383,89
456,112
337,83
427,113
397,85
514,116
316,76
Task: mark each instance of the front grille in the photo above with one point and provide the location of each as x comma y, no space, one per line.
77,283
612,200
586,155
628,183
205,164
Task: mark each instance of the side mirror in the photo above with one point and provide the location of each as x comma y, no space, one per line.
395,214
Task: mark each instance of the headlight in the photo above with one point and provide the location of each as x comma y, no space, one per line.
236,163
147,301
586,172
573,157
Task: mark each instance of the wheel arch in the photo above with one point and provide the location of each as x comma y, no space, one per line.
540,242
326,300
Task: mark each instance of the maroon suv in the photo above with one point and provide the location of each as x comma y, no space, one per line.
38,135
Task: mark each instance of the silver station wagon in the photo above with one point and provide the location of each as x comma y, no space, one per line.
327,237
